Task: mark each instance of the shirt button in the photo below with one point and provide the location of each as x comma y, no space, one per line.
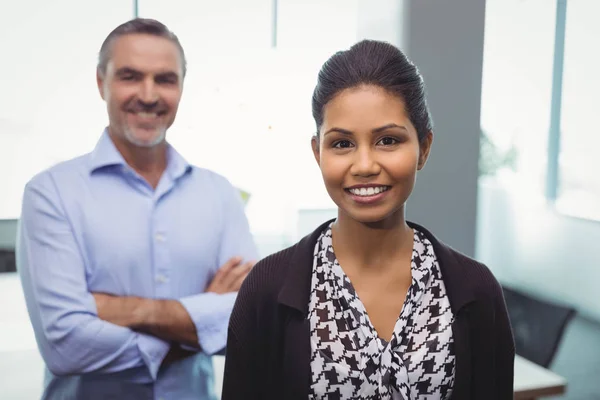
161,279
160,237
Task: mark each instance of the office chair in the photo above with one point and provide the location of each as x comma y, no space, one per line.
538,326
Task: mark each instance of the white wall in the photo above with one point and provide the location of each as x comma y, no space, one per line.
382,20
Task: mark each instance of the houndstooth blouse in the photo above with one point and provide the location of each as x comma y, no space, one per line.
349,360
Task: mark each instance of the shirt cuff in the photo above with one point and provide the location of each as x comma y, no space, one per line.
210,313
153,351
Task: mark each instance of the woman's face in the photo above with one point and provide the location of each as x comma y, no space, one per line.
369,153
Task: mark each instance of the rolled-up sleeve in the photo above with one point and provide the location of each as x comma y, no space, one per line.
210,311
71,337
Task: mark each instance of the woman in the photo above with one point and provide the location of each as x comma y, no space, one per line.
370,306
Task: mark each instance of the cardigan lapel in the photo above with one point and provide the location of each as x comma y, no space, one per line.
295,296
296,358
462,351
295,292
457,279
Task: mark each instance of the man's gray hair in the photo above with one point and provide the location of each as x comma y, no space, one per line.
137,25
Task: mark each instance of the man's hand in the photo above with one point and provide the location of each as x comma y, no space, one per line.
230,276
176,353
168,319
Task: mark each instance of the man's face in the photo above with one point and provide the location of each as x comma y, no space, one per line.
142,87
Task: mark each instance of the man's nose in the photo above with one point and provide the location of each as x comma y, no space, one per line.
148,93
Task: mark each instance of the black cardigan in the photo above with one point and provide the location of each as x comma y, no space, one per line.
268,345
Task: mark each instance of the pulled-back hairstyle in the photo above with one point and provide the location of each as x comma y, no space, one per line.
371,62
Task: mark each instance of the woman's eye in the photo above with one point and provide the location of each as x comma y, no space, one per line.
388,141
342,144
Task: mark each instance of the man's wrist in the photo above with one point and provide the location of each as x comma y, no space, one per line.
165,319
143,312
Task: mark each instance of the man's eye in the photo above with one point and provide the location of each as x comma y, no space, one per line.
167,80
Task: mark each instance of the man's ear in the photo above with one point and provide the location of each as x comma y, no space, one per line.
100,83
315,148
424,149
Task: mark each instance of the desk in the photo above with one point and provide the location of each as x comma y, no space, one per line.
533,381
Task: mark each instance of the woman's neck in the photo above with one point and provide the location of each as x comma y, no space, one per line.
372,245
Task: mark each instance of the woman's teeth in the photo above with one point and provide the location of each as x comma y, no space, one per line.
371,191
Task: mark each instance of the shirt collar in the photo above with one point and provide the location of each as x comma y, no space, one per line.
105,154
177,165
295,291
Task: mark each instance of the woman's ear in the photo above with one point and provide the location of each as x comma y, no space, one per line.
424,149
315,148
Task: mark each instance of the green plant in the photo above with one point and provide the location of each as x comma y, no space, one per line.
491,158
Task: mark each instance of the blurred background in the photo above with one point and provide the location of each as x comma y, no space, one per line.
512,180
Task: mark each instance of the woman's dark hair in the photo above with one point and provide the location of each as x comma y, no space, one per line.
371,62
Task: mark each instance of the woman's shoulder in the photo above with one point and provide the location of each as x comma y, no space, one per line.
464,273
280,279
480,274
258,294
270,272
286,270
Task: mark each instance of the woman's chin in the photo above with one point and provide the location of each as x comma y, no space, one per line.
375,218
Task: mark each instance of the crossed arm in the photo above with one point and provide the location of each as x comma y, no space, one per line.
167,319
80,332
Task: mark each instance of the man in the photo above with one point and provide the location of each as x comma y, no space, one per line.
130,258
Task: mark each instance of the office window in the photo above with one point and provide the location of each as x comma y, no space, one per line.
516,92
579,164
246,109
50,109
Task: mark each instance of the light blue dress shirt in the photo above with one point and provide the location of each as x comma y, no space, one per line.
92,224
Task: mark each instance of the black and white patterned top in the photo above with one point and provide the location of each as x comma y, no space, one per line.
350,361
